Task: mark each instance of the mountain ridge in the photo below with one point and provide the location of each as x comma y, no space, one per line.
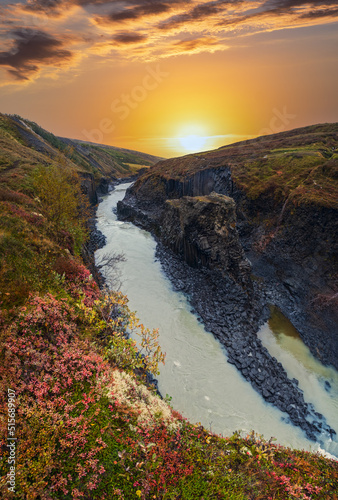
99,160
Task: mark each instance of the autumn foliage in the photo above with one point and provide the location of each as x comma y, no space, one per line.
76,359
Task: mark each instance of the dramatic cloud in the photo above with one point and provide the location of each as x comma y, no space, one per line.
199,13
32,49
137,10
287,4
104,27
317,14
120,10
277,14
129,38
52,7
149,9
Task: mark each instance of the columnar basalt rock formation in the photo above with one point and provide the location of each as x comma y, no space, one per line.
286,208
202,230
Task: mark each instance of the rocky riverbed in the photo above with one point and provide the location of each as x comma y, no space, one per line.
225,311
231,304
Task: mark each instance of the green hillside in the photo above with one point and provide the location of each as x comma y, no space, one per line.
22,139
77,420
301,164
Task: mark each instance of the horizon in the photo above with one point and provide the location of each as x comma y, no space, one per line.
209,150
169,78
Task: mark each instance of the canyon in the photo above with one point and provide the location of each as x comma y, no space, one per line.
237,249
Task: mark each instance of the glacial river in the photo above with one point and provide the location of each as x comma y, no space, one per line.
203,386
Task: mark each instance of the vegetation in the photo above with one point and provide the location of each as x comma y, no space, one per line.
72,378
58,192
100,160
302,177
48,136
300,166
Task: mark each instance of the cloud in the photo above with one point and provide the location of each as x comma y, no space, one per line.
317,14
120,10
279,14
138,9
289,4
107,28
129,38
298,8
149,9
31,50
192,45
195,46
199,12
50,7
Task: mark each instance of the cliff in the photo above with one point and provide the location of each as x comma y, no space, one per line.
202,230
285,189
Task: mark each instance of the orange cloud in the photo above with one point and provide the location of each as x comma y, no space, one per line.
196,45
154,28
127,38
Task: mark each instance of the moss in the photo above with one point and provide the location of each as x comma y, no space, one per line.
301,165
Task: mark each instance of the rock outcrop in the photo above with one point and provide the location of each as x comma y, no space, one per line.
209,264
292,249
207,220
88,187
202,230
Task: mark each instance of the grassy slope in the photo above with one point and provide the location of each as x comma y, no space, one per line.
122,157
86,425
301,164
100,160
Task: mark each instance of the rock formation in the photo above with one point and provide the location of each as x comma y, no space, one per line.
202,230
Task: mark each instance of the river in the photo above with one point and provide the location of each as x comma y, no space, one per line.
203,386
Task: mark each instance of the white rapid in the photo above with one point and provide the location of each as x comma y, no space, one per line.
203,386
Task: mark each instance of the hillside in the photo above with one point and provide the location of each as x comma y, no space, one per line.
105,158
99,160
76,417
26,152
301,165
275,250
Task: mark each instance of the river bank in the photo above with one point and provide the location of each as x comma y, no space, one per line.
149,295
231,314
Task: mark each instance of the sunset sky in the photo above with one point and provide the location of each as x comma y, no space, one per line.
169,77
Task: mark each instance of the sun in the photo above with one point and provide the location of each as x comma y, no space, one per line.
193,142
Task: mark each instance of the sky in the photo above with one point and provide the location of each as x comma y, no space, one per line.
169,77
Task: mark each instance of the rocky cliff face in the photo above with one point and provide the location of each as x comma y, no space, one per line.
88,187
292,248
259,200
202,230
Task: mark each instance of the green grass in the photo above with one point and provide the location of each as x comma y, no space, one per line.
302,178
300,165
61,342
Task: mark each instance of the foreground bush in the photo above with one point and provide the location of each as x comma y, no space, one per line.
87,429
